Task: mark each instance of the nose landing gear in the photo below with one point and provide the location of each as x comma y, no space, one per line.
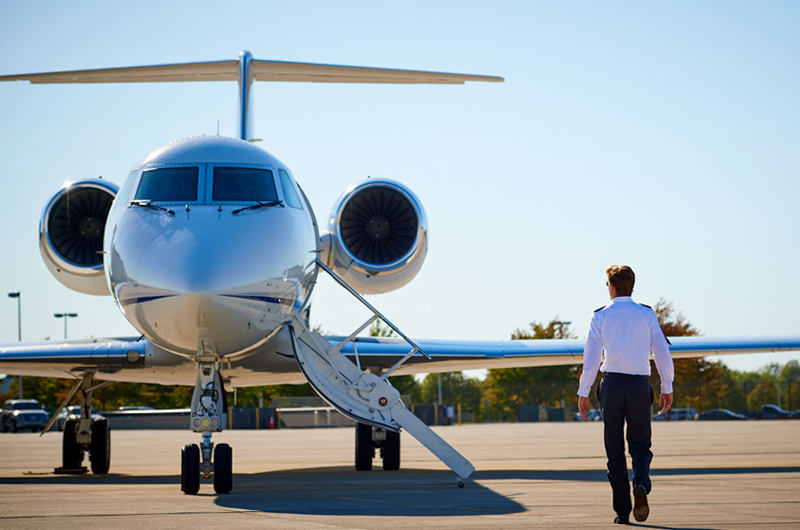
209,410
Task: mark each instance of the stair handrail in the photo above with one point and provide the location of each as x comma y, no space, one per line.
377,314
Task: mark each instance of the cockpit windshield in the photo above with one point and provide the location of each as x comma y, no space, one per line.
168,184
243,184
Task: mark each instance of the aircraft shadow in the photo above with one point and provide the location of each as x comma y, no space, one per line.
343,491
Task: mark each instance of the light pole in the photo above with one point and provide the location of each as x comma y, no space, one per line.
65,316
18,296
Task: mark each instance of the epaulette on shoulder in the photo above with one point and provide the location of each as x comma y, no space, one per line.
599,309
645,305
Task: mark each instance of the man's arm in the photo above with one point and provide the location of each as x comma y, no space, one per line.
661,355
592,355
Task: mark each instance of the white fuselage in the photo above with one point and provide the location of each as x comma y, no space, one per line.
205,279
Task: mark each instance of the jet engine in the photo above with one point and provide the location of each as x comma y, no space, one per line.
71,234
377,236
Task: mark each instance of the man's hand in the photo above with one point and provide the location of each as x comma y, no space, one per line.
665,402
584,406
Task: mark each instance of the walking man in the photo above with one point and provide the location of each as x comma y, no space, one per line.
624,333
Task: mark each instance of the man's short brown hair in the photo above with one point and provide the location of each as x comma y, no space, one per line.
622,278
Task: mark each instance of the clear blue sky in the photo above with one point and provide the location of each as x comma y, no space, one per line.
663,135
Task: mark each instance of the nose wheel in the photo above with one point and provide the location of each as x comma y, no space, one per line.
223,468
208,416
191,469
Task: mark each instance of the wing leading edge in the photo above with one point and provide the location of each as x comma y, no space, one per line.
468,355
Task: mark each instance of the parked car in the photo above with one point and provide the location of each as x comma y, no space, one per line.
774,412
720,414
73,411
683,414
24,414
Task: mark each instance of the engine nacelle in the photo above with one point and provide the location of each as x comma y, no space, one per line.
71,234
377,236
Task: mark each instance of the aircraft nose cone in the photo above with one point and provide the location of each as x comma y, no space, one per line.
206,278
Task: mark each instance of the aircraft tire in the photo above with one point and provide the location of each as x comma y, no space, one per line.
391,451
223,468
100,449
190,469
71,451
365,447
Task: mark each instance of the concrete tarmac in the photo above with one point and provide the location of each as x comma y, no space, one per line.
706,475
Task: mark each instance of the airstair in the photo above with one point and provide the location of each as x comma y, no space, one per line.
365,397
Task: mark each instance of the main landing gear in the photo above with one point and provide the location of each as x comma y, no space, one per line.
85,435
369,438
209,411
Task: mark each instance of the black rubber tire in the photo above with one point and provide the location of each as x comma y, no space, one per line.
391,451
223,468
100,449
71,451
190,469
14,427
365,447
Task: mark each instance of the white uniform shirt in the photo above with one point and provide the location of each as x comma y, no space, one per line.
627,332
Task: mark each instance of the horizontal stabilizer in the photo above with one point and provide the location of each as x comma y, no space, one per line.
262,71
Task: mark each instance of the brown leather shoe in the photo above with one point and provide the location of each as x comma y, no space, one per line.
640,508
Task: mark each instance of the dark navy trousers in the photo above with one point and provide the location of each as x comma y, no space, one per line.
626,398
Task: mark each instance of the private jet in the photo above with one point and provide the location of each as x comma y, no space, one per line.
211,250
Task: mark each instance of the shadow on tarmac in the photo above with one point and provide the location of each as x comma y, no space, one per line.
599,475
344,492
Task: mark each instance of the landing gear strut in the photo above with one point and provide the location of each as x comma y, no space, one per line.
82,435
209,411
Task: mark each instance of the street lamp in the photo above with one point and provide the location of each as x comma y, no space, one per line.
65,316
18,296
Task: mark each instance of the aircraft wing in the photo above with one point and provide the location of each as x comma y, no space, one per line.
58,359
262,70
456,355
113,357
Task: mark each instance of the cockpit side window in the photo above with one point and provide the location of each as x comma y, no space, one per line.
124,194
243,184
169,184
289,195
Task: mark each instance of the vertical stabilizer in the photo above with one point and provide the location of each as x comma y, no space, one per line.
246,78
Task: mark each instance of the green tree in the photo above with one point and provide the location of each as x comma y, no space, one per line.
790,385
507,388
765,390
699,383
457,389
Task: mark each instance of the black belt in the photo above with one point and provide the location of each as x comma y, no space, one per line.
617,374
